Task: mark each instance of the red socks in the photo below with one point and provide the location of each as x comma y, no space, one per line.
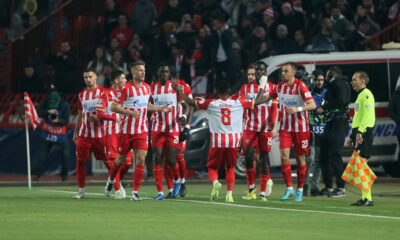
123,170
168,175
263,181
301,175
138,175
180,158
81,172
230,178
251,176
287,174
212,174
158,177
175,171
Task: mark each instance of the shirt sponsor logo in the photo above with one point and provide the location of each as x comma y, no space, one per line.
137,103
162,102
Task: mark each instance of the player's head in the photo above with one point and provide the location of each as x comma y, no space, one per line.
164,73
319,77
138,70
260,70
251,73
288,71
359,80
118,79
333,72
223,88
90,77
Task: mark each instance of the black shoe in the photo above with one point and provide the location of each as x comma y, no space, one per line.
368,203
182,191
169,196
136,197
123,183
315,192
326,192
305,191
338,192
358,203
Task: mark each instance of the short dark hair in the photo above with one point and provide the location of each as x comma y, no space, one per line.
363,76
251,66
116,74
223,87
89,69
263,63
291,64
136,63
318,72
335,69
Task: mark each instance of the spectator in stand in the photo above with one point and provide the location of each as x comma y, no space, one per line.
394,12
358,35
361,16
178,61
284,44
327,39
173,12
258,13
233,10
101,66
269,23
118,62
135,48
300,44
187,35
90,38
220,45
114,46
185,18
199,66
111,16
345,8
13,31
123,32
246,27
32,21
144,17
31,9
32,82
340,23
291,19
256,45
66,65
369,8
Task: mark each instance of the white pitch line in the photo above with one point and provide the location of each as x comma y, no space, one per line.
256,207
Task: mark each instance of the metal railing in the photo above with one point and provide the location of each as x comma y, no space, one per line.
388,34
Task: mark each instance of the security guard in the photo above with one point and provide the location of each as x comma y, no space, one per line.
363,123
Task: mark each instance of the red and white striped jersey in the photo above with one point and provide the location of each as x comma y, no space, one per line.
135,98
295,95
188,92
110,95
162,95
263,114
87,102
225,118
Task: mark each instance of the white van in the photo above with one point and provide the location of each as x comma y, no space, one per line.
383,68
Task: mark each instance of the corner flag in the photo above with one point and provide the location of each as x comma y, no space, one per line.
358,173
30,111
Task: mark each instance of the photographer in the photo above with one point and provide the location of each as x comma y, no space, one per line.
55,114
335,108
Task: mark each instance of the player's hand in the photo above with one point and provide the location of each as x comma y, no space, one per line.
166,108
184,134
52,111
182,120
93,118
263,81
349,142
176,86
198,99
359,138
319,110
134,114
291,110
75,136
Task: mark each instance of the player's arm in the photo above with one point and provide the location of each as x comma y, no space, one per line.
115,107
179,90
260,96
153,108
273,117
77,126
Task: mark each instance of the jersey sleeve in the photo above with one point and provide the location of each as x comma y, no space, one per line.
305,93
202,104
368,105
124,94
247,104
273,92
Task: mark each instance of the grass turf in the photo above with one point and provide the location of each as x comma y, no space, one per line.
51,213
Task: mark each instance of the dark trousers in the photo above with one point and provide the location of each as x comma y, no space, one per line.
46,147
332,142
224,71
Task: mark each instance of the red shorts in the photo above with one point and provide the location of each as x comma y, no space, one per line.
85,146
182,146
111,142
133,141
262,140
300,140
217,156
164,140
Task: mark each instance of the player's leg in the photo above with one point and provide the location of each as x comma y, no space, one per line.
180,158
83,151
171,159
249,142
301,148
265,177
157,143
285,143
169,179
215,158
125,145
230,157
140,146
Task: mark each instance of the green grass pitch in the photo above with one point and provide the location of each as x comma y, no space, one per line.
51,213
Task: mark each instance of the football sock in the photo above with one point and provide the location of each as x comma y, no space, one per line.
230,178
158,177
123,170
138,175
250,177
287,174
175,171
81,173
168,175
263,182
301,175
366,195
212,174
180,158
117,182
114,170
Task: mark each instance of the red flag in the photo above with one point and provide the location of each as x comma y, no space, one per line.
30,111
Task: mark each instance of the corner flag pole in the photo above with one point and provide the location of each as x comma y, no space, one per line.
28,154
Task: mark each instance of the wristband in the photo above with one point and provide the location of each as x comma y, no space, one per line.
299,109
187,126
183,115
